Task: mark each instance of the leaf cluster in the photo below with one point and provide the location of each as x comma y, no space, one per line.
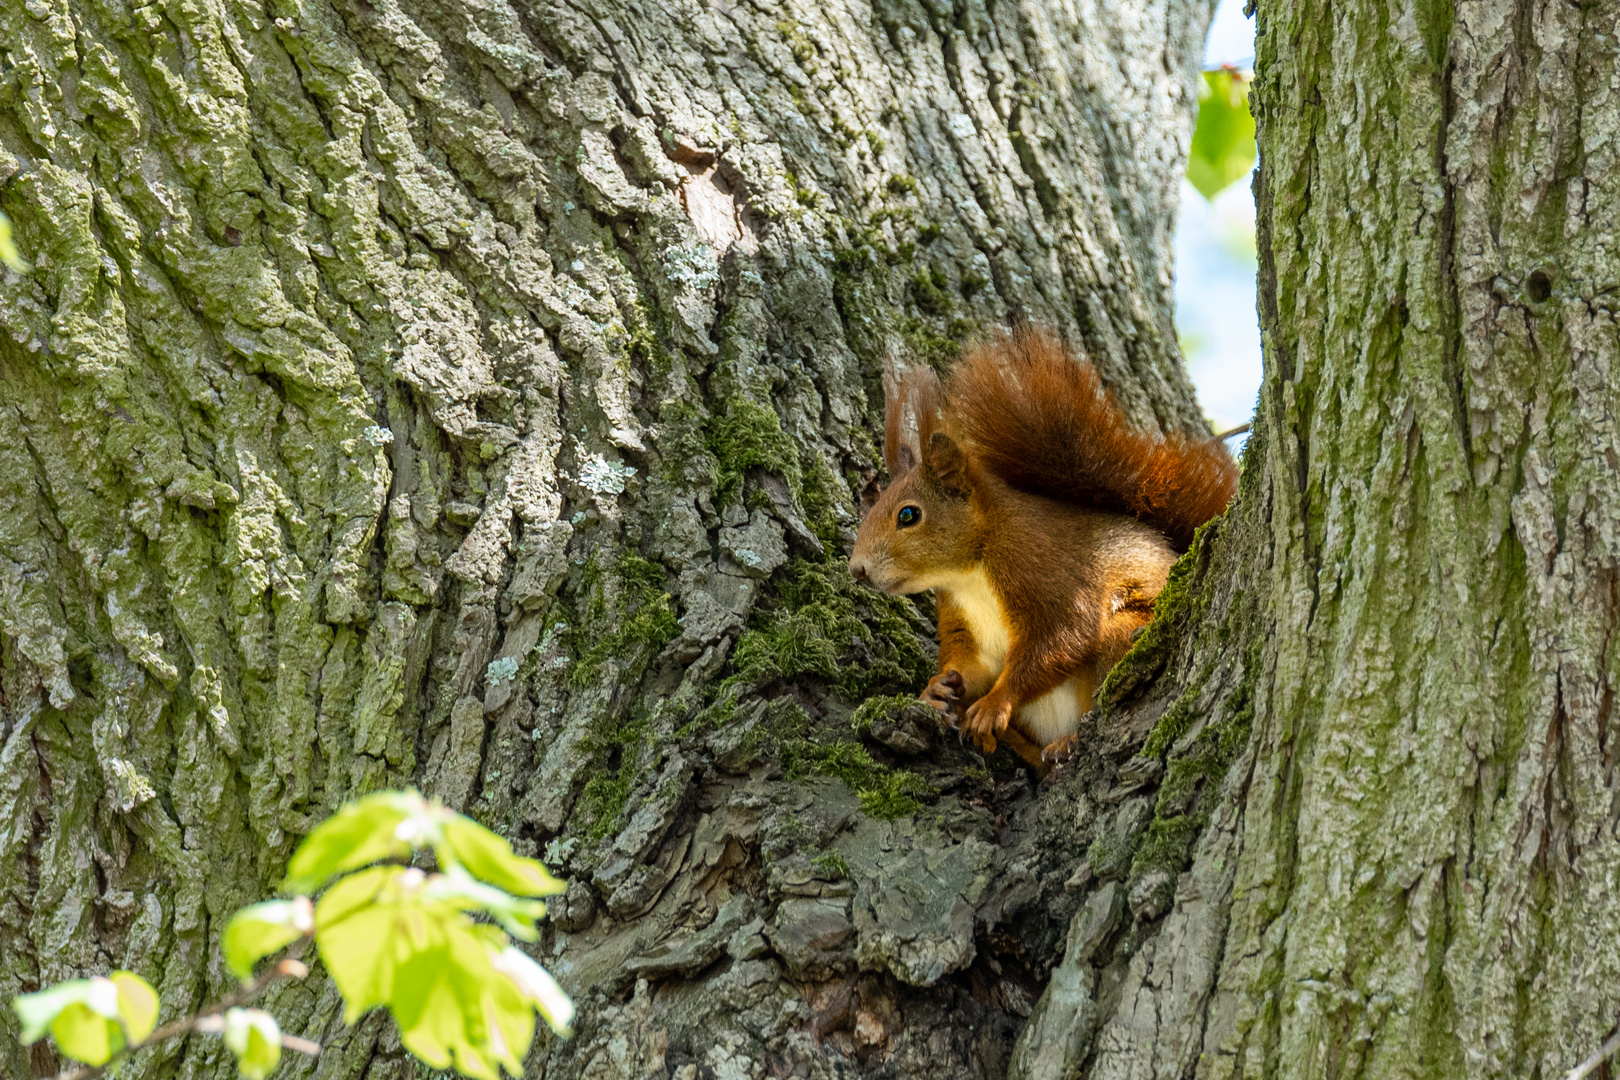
433,948
1223,146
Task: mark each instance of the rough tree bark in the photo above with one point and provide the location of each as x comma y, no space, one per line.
1383,832
480,396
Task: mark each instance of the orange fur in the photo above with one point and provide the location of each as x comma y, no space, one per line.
1045,524
911,415
1042,422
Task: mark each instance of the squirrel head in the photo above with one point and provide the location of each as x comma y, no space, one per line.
921,527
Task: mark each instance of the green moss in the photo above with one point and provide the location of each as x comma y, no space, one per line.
972,284
830,864
895,795
930,291
1173,724
799,44
645,344
716,714
682,445
806,197
902,184
1165,841
861,290
1108,855
855,261
981,773
884,793
1191,786
816,621
786,733
824,494
873,708
602,801
749,435
639,622
793,643
619,744
938,351
927,234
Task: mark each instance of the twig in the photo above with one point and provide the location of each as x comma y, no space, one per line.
214,1024
201,1021
1241,429
303,1046
1596,1059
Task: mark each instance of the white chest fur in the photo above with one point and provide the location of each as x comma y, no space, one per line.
986,619
1047,718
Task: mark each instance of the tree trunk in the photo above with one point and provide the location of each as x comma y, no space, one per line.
1383,836
481,397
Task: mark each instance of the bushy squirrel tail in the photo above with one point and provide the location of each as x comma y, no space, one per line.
1041,420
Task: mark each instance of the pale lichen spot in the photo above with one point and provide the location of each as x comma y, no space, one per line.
603,477
696,265
500,670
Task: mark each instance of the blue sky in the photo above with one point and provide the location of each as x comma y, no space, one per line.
1215,298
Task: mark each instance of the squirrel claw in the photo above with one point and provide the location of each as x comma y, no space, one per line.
944,695
943,690
1060,752
987,718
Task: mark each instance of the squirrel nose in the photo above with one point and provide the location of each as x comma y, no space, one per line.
857,567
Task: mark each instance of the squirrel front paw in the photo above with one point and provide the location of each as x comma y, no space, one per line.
987,718
944,692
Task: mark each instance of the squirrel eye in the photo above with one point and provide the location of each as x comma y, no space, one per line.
909,515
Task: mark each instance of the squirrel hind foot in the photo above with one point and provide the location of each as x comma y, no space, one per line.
1061,751
1056,757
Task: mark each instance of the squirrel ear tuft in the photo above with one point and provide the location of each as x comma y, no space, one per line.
948,466
911,412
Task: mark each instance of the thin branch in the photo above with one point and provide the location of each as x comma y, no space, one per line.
1241,429
303,1046
214,1024
1596,1059
286,969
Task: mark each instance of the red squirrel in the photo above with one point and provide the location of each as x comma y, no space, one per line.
1044,522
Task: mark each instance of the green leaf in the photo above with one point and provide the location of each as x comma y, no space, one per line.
255,1038
84,1034
535,983
355,932
8,248
397,937
261,929
489,858
38,1010
137,1004
386,825
1223,148
455,1010
516,916
90,1019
